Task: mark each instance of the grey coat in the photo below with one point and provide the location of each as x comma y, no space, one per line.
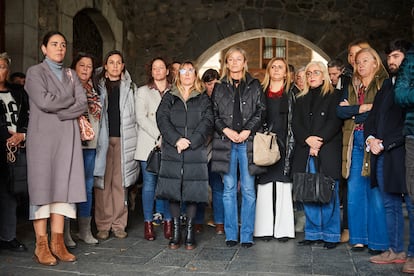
54,150
129,166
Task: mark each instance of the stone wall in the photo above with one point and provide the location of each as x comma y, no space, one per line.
185,29
190,29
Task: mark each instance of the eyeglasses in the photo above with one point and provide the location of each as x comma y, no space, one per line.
315,73
184,71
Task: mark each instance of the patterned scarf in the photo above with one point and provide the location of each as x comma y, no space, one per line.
94,103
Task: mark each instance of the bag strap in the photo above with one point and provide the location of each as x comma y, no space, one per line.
11,150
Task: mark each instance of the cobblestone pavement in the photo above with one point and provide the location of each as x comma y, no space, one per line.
136,256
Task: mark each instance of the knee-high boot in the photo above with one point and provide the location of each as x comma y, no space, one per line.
189,237
176,238
85,233
67,235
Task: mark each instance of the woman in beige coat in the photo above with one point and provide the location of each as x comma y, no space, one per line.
147,100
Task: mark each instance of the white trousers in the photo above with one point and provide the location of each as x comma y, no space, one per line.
274,217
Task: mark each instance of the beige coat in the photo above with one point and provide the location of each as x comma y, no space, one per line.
146,104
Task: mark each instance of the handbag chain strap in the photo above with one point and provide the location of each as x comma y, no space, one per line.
11,150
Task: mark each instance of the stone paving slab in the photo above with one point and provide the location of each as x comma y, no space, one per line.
137,256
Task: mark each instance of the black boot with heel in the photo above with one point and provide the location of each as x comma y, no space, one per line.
189,236
176,235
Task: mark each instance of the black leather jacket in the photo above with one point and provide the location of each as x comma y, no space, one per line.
252,107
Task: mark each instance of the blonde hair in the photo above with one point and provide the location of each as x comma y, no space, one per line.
379,66
4,56
197,85
225,70
266,79
327,87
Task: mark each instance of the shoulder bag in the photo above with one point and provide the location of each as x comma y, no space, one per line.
154,158
265,149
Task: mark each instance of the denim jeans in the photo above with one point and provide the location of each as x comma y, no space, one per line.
323,221
216,184
238,157
366,215
84,208
358,188
394,214
148,194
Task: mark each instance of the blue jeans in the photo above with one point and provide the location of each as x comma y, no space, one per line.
216,184
84,208
323,221
394,215
238,157
366,215
358,188
148,194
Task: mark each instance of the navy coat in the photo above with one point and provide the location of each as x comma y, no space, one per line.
386,122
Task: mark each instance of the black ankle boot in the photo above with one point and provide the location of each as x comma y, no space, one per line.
176,235
189,236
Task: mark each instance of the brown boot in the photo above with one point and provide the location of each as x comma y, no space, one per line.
149,233
42,253
58,248
168,229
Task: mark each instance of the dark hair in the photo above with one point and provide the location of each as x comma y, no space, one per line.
81,55
291,68
148,67
47,37
107,56
398,45
210,74
336,62
17,75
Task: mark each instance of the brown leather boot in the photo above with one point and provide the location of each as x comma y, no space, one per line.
168,229
42,253
58,248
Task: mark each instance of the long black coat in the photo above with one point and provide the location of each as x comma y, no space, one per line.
252,106
386,122
279,114
320,120
184,177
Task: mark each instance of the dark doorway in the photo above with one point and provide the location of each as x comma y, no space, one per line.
86,37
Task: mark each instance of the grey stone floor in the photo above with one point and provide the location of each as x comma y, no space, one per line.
136,256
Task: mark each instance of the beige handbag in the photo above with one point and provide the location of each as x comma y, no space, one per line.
265,149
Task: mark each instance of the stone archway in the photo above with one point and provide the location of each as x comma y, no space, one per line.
102,14
257,33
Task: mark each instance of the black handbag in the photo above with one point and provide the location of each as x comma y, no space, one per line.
313,187
154,160
17,166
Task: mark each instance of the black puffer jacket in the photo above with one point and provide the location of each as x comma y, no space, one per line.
252,106
184,177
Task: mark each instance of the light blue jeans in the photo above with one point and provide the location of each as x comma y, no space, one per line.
238,158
